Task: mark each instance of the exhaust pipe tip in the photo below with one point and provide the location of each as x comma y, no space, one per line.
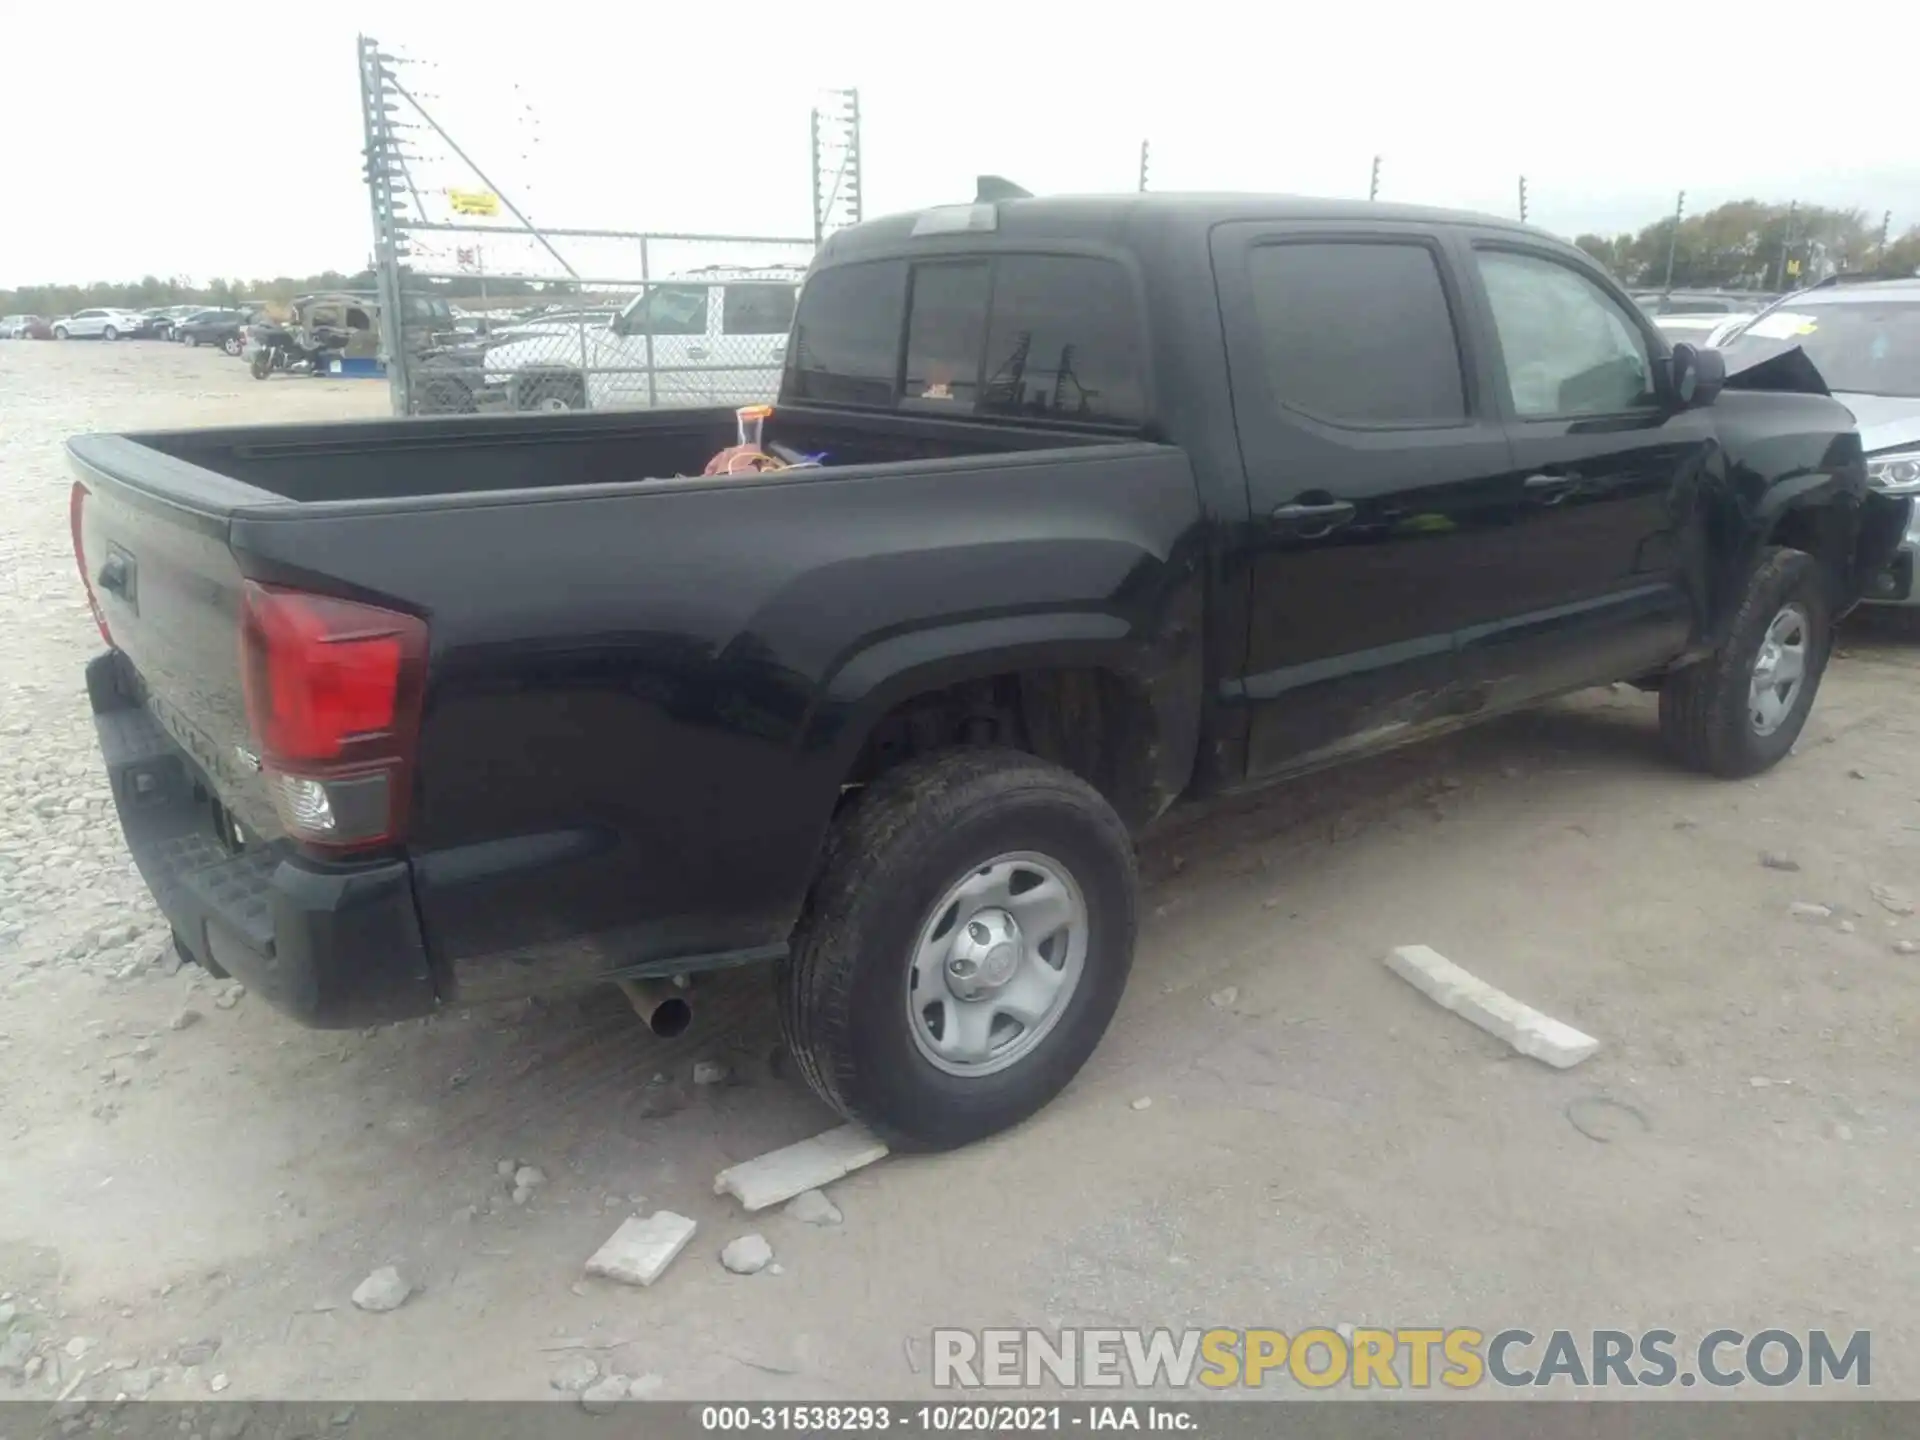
663,1009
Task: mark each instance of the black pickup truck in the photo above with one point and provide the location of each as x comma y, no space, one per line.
1117,503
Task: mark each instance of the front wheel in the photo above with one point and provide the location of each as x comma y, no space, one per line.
60,332
232,345
261,363
1740,711
192,342
964,948
109,333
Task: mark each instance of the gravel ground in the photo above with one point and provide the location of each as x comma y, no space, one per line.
193,1188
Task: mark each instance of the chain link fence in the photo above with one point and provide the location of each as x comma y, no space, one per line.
480,309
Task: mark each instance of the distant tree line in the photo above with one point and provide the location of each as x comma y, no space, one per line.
1755,245
150,292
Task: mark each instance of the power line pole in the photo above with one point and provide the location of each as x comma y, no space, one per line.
1143,167
1886,225
1523,199
1786,241
1673,241
1373,185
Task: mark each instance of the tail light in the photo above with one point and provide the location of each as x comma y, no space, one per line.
334,691
76,518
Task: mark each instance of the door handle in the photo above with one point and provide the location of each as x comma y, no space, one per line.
1549,489
115,575
696,352
1312,521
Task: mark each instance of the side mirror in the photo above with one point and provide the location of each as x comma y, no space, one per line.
1698,374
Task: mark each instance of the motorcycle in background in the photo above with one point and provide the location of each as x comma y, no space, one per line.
272,347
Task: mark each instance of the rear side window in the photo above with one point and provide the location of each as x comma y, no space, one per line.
1358,332
846,338
1063,342
946,329
756,309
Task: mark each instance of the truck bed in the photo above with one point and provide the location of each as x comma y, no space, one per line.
642,693
452,456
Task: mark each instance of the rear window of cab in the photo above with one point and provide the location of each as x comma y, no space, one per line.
1035,337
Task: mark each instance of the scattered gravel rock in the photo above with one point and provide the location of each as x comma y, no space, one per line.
185,1018
1846,927
1891,900
1142,1103
505,1168
385,1289
1223,999
812,1207
1807,910
78,1346
574,1374
218,1383
644,1387
196,1352
711,1072
1775,861
1906,947
748,1255
529,1177
602,1396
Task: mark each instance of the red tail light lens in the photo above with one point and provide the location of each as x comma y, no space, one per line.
76,518
334,690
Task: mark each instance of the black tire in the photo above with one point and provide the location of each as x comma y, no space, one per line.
888,861
232,345
446,396
109,334
550,392
262,363
60,332
192,342
1704,717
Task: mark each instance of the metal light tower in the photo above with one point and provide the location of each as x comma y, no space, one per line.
836,163
386,176
1143,167
1523,199
1373,185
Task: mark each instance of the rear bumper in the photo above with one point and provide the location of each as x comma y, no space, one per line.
334,946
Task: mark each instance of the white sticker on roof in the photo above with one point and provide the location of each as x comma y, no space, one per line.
1784,325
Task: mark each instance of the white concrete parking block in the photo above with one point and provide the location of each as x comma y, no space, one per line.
639,1252
807,1165
1493,1010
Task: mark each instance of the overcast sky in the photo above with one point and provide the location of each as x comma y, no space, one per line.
213,139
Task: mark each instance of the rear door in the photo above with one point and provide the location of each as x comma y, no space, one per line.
1374,462
1604,484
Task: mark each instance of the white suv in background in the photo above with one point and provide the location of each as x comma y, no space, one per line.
99,324
716,336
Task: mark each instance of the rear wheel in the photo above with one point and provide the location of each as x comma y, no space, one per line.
109,333
60,332
550,392
1741,710
192,342
964,948
232,345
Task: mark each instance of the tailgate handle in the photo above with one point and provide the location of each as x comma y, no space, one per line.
117,576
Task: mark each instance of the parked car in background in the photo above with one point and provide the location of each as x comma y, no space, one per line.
101,324
710,337
24,327
451,379
1692,315
1864,339
213,327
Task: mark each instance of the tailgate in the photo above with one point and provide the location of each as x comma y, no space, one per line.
152,543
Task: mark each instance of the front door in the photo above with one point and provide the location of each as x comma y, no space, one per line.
1373,464
1606,470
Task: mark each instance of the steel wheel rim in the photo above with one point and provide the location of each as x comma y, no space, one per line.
552,403
1779,669
996,964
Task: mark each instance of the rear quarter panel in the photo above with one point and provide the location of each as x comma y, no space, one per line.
642,704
